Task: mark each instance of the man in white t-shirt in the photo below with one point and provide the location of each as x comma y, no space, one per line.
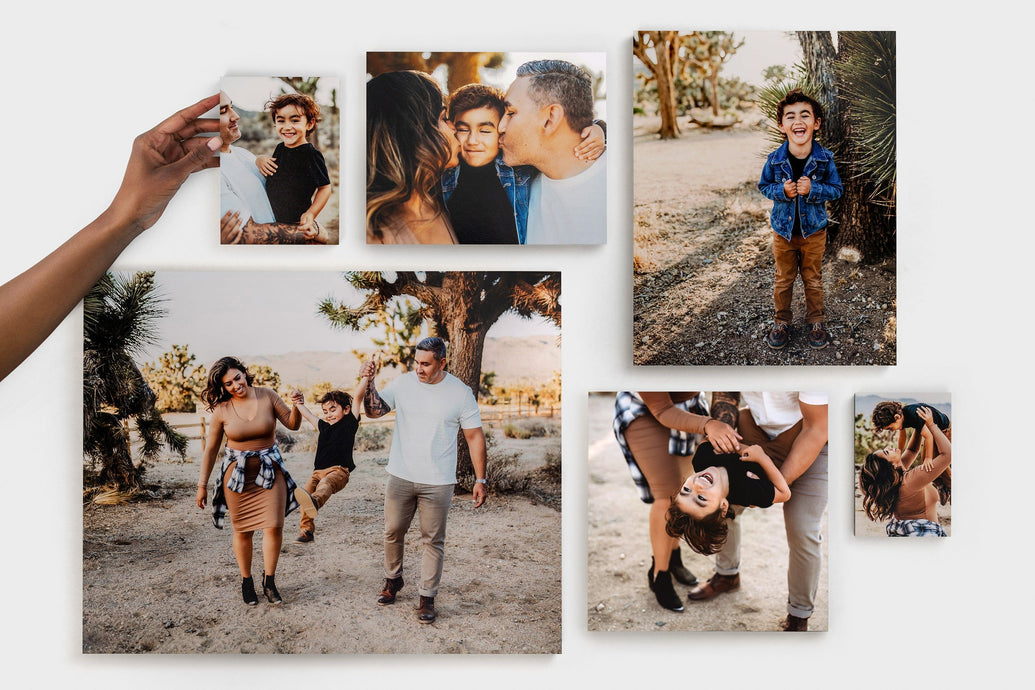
792,429
431,407
547,107
247,217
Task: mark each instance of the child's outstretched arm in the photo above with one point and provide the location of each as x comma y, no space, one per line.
357,395
928,440
299,400
35,302
941,460
756,454
910,453
307,222
594,142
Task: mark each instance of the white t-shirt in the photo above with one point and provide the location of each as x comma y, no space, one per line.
569,211
428,417
775,413
242,187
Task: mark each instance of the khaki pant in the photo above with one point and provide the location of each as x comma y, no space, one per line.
322,485
794,256
402,499
802,516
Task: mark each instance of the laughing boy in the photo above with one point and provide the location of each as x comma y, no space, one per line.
799,177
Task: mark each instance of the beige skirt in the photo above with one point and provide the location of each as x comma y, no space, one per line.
255,508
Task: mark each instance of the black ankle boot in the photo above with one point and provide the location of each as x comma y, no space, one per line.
248,591
269,588
661,584
679,571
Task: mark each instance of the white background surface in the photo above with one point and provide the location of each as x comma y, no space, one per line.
82,81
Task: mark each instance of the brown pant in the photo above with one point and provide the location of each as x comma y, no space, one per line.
794,256
322,485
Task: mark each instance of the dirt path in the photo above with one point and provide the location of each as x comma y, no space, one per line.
703,268
157,577
619,556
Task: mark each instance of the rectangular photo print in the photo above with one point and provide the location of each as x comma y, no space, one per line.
271,459
903,465
764,198
486,148
688,491
278,168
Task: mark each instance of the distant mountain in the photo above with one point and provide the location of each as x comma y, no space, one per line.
864,404
532,359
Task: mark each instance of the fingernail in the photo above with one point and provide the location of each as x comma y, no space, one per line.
214,143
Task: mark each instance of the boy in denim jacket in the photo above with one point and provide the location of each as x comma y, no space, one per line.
800,177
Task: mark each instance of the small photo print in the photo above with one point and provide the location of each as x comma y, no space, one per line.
687,495
279,167
764,198
260,429
486,148
903,471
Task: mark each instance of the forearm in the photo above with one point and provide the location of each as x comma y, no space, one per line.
476,444
208,461
928,441
803,453
725,407
358,395
35,302
271,233
774,475
294,419
308,415
323,194
373,405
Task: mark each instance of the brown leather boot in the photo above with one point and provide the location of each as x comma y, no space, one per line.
392,587
715,586
795,624
426,610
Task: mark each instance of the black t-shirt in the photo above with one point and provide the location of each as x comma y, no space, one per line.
911,420
797,170
299,172
744,490
334,446
479,209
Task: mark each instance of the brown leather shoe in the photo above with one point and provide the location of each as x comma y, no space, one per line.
716,585
426,610
392,587
795,624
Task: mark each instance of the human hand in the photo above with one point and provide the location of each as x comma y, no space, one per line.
790,189
266,164
928,464
368,369
479,494
306,225
722,436
924,413
201,496
592,144
297,398
804,185
231,228
161,161
754,454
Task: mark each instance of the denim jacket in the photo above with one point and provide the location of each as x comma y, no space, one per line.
826,186
517,182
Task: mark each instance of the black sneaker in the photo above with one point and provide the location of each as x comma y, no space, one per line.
779,336
818,338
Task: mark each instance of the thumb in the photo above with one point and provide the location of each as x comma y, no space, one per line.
201,151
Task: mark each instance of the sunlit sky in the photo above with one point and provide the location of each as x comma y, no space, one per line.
270,313
760,50
251,93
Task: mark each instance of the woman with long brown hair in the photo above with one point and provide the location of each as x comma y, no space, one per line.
892,491
254,485
410,143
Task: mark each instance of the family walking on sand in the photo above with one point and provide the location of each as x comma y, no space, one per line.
255,489
700,463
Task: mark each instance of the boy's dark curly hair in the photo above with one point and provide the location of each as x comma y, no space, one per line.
341,397
798,96
879,482
704,536
309,107
884,414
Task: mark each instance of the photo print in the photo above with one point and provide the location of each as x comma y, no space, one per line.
279,167
486,148
338,397
903,465
764,198
712,484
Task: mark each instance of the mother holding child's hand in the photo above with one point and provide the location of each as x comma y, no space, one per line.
892,490
254,485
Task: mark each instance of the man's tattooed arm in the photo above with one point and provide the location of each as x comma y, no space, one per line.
275,233
373,405
724,407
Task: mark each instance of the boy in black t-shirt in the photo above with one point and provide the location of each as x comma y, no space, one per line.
333,463
699,510
297,183
893,415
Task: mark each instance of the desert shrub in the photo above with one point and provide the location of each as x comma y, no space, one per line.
372,437
552,465
529,428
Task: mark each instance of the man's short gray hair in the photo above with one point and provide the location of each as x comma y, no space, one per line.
435,346
557,81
